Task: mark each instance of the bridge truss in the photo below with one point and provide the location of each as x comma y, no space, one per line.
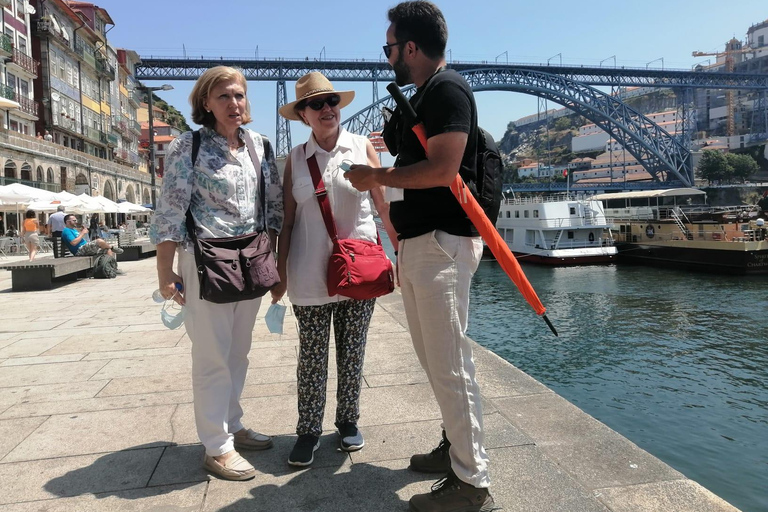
665,157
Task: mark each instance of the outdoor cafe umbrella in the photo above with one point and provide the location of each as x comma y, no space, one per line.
129,207
20,196
479,219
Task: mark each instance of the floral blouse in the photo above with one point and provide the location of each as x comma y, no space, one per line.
222,191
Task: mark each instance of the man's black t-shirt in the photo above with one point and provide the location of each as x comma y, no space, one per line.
443,104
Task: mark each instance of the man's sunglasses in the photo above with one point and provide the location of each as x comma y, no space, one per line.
318,104
388,47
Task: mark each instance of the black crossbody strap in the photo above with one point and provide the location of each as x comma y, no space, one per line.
252,152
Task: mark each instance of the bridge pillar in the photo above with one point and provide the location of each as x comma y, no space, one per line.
283,127
375,80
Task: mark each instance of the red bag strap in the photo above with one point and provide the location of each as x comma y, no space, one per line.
322,196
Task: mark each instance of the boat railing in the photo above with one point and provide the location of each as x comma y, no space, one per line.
573,244
711,235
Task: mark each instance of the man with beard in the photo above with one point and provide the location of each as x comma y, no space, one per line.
439,250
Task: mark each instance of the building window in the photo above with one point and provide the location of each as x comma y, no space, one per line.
760,41
507,213
517,214
526,214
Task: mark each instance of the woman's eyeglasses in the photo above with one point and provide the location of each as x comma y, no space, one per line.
388,47
318,104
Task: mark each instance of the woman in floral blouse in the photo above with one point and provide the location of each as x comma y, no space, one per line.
221,191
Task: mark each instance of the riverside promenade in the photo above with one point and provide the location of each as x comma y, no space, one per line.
96,415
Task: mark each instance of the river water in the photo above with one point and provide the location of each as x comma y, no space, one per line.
677,362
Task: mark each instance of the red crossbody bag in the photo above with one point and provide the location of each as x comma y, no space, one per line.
357,269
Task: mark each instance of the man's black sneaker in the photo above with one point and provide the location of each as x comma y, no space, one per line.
450,494
436,461
303,453
351,437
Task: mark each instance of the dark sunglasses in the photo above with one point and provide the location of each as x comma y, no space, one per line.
318,104
388,47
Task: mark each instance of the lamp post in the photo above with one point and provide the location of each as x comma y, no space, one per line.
150,122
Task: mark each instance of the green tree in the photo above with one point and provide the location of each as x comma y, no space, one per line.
743,166
714,166
562,124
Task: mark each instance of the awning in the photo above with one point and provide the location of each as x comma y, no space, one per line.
7,104
649,193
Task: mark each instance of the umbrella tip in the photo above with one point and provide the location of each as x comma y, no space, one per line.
549,324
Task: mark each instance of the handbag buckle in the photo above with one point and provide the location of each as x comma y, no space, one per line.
321,193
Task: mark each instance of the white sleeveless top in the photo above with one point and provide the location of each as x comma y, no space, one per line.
310,244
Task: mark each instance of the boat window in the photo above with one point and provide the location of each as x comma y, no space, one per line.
517,214
526,214
535,214
507,213
570,235
573,210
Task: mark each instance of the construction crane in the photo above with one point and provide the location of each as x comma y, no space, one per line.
732,48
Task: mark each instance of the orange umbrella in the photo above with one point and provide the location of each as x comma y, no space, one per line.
479,219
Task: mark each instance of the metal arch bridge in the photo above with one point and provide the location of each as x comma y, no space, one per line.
661,154
177,68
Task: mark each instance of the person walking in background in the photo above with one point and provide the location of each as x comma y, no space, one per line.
55,227
93,227
303,252
29,231
439,250
221,190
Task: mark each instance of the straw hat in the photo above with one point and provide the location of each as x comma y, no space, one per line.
311,85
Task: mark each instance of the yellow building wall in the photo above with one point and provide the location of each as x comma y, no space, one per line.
88,102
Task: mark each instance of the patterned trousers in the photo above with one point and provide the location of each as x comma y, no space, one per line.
350,326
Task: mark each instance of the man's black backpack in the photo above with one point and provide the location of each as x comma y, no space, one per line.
487,187
489,169
105,267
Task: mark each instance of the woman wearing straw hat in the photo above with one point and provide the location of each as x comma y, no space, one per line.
303,251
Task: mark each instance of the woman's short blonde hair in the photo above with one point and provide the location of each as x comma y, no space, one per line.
203,87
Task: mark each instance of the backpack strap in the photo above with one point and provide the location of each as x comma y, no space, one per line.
195,146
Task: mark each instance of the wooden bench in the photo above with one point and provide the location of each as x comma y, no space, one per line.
137,251
40,274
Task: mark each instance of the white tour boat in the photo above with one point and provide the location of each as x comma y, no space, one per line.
556,230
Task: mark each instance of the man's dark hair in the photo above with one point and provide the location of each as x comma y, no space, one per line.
423,23
67,216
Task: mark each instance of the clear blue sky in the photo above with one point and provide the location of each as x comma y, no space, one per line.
532,32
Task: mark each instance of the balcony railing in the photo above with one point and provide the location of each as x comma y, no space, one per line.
25,62
27,105
134,98
112,139
7,92
135,126
51,187
46,28
6,46
93,133
105,68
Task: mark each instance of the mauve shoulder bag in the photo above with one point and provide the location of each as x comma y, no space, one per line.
231,269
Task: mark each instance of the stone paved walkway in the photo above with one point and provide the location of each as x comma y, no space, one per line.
96,415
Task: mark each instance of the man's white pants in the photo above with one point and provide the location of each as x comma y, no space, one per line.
221,339
436,271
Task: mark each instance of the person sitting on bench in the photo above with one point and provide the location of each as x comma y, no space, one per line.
78,246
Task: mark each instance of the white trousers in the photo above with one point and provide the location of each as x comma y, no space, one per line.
436,271
221,339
